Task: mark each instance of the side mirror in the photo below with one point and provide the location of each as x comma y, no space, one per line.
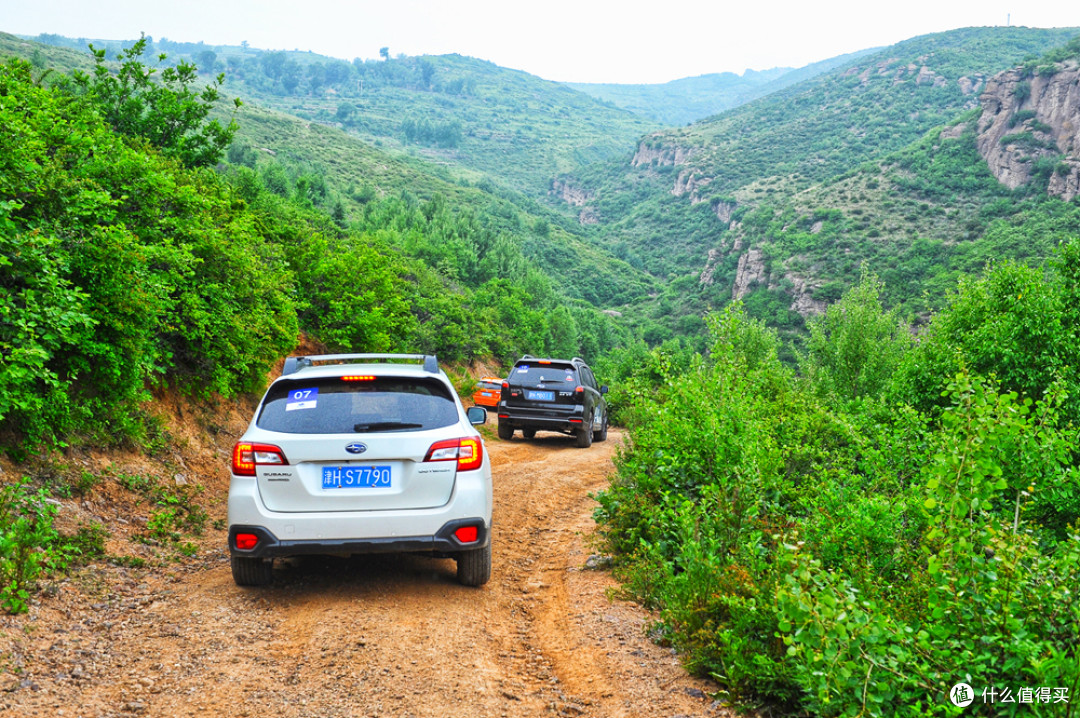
603,388
477,415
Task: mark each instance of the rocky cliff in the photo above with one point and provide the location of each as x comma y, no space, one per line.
1030,120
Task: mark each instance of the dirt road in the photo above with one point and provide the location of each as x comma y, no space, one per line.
373,636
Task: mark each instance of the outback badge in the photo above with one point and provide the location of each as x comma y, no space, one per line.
356,448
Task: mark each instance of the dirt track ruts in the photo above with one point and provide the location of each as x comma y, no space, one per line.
371,636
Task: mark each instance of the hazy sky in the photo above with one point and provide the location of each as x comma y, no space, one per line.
562,40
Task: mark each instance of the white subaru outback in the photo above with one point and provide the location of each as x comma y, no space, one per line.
360,453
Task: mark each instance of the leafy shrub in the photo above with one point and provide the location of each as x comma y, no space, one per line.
859,557
27,543
982,602
166,113
855,346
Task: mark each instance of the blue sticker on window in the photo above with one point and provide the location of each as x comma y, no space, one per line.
302,399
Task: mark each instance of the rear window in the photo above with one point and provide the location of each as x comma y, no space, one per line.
337,406
553,374
488,385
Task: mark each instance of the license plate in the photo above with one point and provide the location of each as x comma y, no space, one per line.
355,477
532,395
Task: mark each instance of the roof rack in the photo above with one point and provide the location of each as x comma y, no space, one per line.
294,364
530,356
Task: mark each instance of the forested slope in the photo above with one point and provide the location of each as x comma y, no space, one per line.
472,116
128,265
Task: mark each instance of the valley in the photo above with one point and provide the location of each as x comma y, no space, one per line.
837,308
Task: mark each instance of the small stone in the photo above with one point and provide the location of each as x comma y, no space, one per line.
597,562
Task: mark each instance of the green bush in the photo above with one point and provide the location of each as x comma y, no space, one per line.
27,543
859,557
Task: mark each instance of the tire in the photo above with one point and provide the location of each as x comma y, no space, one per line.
506,431
528,433
251,571
474,567
584,437
602,434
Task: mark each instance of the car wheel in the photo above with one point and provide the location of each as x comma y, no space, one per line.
602,434
474,567
584,437
528,433
505,431
251,571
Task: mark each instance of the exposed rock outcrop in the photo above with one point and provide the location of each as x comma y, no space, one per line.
802,295
1048,125
927,76
706,276
688,182
570,193
725,210
970,86
661,154
750,272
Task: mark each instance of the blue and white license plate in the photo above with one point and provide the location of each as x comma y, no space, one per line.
533,395
355,477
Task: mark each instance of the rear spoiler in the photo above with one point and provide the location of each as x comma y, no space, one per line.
294,364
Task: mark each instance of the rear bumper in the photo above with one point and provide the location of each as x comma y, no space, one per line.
550,419
289,533
443,541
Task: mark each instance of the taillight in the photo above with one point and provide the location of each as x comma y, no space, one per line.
468,452
579,394
358,377
245,457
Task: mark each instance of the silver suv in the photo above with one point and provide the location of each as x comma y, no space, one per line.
360,453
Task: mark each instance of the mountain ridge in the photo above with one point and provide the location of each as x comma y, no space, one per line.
689,99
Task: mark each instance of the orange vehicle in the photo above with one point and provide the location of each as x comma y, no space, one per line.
487,391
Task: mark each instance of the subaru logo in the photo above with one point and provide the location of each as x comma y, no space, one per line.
356,448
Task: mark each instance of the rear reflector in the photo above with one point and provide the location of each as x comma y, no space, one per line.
467,534
246,542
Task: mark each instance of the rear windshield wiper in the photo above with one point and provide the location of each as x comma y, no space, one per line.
385,426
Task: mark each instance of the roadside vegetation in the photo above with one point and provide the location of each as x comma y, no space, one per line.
135,259
856,537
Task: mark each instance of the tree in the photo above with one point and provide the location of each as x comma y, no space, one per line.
166,113
384,53
345,111
207,60
273,64
427,73
855,347
290,76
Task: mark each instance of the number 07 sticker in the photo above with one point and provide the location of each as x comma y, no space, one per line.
302,399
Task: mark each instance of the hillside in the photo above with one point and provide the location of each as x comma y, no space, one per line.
471,115
342,173
672,208
689,99
998,183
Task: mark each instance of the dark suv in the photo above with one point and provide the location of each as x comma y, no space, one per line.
553,395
